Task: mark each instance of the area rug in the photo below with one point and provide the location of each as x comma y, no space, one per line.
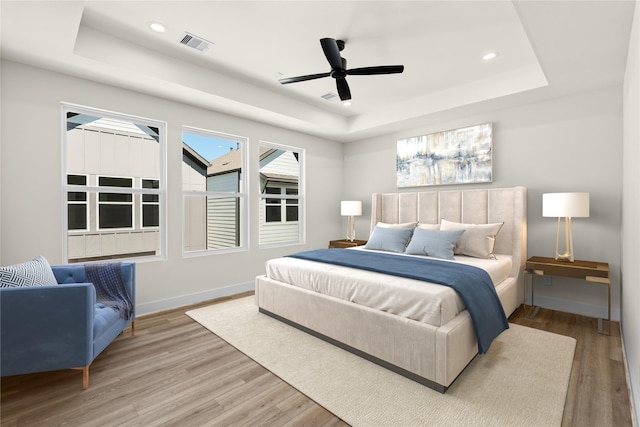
521,381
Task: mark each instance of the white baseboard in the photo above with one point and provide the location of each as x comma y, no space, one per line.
182,300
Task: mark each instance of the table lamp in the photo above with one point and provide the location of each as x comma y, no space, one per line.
567,206
351,209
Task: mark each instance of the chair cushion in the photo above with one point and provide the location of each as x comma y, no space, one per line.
31,273
104,319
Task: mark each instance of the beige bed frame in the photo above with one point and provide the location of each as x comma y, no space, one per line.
433,356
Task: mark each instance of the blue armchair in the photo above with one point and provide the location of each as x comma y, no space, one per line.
46,328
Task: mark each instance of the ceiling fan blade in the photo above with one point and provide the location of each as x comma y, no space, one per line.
383,69
332,52
343,89
303,78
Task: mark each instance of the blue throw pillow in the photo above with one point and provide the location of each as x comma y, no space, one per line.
389,239
435,243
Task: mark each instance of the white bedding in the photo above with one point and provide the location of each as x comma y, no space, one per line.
421,301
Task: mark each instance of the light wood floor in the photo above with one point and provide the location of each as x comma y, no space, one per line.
175,372
598,393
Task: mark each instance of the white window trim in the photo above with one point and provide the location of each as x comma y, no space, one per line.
162,161
302,234
241,195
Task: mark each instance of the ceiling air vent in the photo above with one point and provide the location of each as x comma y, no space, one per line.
195,42
330,96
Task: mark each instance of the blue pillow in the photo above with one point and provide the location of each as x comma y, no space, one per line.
389,239
435,243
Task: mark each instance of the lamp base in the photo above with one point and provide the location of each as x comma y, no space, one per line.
564,257
568,241
351,228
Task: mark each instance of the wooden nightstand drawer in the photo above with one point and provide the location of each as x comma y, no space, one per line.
344,243
577,269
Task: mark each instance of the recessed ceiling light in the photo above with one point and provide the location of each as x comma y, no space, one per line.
157,27
490,55
346,103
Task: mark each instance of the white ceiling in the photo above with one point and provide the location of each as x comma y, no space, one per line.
546,49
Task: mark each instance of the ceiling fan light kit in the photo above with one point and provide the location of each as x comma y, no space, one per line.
339,71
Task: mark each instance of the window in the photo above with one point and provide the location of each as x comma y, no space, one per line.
115,210
273,207
150,204
281,209
77,208
114,185
281,171
214,193
292,205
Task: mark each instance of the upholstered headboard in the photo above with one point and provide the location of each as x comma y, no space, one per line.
480,206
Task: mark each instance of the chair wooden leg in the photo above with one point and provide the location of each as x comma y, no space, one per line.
85,377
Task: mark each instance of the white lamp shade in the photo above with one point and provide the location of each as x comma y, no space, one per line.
565,205
351,207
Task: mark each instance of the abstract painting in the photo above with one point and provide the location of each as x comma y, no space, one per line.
459,156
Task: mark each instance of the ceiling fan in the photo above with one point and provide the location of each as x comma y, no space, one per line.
332,49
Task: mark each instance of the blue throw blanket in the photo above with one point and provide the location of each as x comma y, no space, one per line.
473,284
110,288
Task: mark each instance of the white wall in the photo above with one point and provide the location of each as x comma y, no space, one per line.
567,144
631,213
31,176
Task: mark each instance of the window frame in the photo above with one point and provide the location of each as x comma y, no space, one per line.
284,198
241,195
93,189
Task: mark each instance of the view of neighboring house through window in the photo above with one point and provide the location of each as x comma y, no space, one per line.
115,210
214,193
77,207
150,205
281,195
114,185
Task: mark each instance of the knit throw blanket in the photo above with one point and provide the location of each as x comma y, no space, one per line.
110,288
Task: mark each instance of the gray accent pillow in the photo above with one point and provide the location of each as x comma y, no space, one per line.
434,243
476,241
389,239
31,273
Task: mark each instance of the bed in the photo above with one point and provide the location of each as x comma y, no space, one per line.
414,328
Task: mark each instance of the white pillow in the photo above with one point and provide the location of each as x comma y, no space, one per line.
425,226
476,241
401,225
31,273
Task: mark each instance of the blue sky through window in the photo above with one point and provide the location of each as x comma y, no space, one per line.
207,146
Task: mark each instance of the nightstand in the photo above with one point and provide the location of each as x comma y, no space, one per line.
590,271
344,243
